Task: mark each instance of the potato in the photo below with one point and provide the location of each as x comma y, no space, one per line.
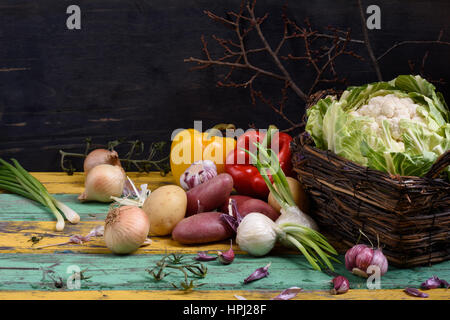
209,195
298,193
165,207
236,197
256,205
202,227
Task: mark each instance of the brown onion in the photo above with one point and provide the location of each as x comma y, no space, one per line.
100,156
126,229
102,182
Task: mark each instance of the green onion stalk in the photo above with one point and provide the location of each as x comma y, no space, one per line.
15,179
257,234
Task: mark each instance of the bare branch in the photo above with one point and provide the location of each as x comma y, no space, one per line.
401,43
367,43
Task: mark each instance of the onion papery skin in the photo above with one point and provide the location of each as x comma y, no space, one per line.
256,234
126,229
102,182
100,156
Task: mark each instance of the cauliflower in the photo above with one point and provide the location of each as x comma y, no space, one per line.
401,126
393,109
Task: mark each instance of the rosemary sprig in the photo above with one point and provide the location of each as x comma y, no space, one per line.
177,261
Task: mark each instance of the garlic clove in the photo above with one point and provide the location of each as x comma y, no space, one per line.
340,285
364,258
379,260
226,257
258,274
350,256
203,256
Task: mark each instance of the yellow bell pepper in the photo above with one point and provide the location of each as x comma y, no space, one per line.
190,145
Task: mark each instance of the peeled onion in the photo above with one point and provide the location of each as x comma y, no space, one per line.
100,156
126,229
256,234
102,182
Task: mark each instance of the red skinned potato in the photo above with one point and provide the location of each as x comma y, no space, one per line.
239,201
203,227
209,195
256,205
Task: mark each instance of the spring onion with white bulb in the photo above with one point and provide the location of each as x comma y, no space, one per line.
15,179
258,234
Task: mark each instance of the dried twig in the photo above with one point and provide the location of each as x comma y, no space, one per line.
367,43
137,148
401,43
321,51
421,69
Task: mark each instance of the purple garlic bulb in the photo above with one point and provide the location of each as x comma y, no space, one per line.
198,173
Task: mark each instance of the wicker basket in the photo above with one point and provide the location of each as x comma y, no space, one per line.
411,215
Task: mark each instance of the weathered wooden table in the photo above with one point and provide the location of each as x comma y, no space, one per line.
26,273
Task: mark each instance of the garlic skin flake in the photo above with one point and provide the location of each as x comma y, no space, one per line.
198,173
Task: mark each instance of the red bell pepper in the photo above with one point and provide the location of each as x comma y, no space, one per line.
247,179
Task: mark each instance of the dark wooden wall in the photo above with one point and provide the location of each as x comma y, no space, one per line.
123,76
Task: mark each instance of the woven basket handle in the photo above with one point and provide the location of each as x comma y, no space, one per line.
441,163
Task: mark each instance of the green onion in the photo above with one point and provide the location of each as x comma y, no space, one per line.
15,179
313,245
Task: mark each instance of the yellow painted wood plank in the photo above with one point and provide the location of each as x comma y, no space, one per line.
397,294
15,238
61,182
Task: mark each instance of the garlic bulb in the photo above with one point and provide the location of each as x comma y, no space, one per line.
360,258
100,156
126,229
102,182
198,173
364,258
256,234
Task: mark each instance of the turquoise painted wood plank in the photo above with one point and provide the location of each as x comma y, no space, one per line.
111,272
17,208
